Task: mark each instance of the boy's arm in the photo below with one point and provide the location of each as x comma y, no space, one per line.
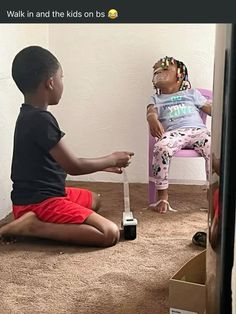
207,107
155,125
78,166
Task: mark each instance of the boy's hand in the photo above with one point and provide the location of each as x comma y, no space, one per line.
114,170
121,159
156,128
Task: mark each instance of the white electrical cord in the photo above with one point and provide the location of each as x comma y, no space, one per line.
126,191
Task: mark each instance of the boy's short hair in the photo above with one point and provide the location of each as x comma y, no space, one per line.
31,66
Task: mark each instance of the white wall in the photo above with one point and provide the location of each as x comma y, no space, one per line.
12,39
107,76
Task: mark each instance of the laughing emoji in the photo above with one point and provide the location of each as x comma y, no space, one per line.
112,14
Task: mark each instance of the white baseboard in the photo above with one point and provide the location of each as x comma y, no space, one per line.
188,182
171,181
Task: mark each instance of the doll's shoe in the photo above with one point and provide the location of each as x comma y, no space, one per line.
152,206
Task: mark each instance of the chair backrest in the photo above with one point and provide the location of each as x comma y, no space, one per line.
208,95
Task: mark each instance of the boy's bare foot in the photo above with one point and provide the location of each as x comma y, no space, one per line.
8,239
20,226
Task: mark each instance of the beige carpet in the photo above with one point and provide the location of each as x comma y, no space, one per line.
44,277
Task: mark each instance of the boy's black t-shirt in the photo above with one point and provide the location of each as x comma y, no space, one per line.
35,174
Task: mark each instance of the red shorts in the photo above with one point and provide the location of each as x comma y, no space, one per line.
75,207
216,203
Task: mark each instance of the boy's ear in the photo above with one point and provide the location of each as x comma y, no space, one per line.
50,83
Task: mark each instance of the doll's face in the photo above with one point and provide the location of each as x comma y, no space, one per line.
164,76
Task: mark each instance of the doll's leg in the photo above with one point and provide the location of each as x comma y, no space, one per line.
202,144
164,149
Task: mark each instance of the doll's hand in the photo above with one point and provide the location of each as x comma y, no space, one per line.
156,129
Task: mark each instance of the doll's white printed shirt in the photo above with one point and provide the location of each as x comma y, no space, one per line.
179,110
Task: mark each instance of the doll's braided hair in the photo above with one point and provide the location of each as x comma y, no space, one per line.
181,71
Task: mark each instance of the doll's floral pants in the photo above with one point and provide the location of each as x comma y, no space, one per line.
171,142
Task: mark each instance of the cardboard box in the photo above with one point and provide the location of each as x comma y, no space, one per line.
187,289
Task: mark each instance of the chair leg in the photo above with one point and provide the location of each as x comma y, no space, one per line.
151,192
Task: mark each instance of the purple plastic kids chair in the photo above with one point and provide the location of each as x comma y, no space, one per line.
182,153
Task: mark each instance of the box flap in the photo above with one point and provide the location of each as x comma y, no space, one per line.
194,270
187,290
